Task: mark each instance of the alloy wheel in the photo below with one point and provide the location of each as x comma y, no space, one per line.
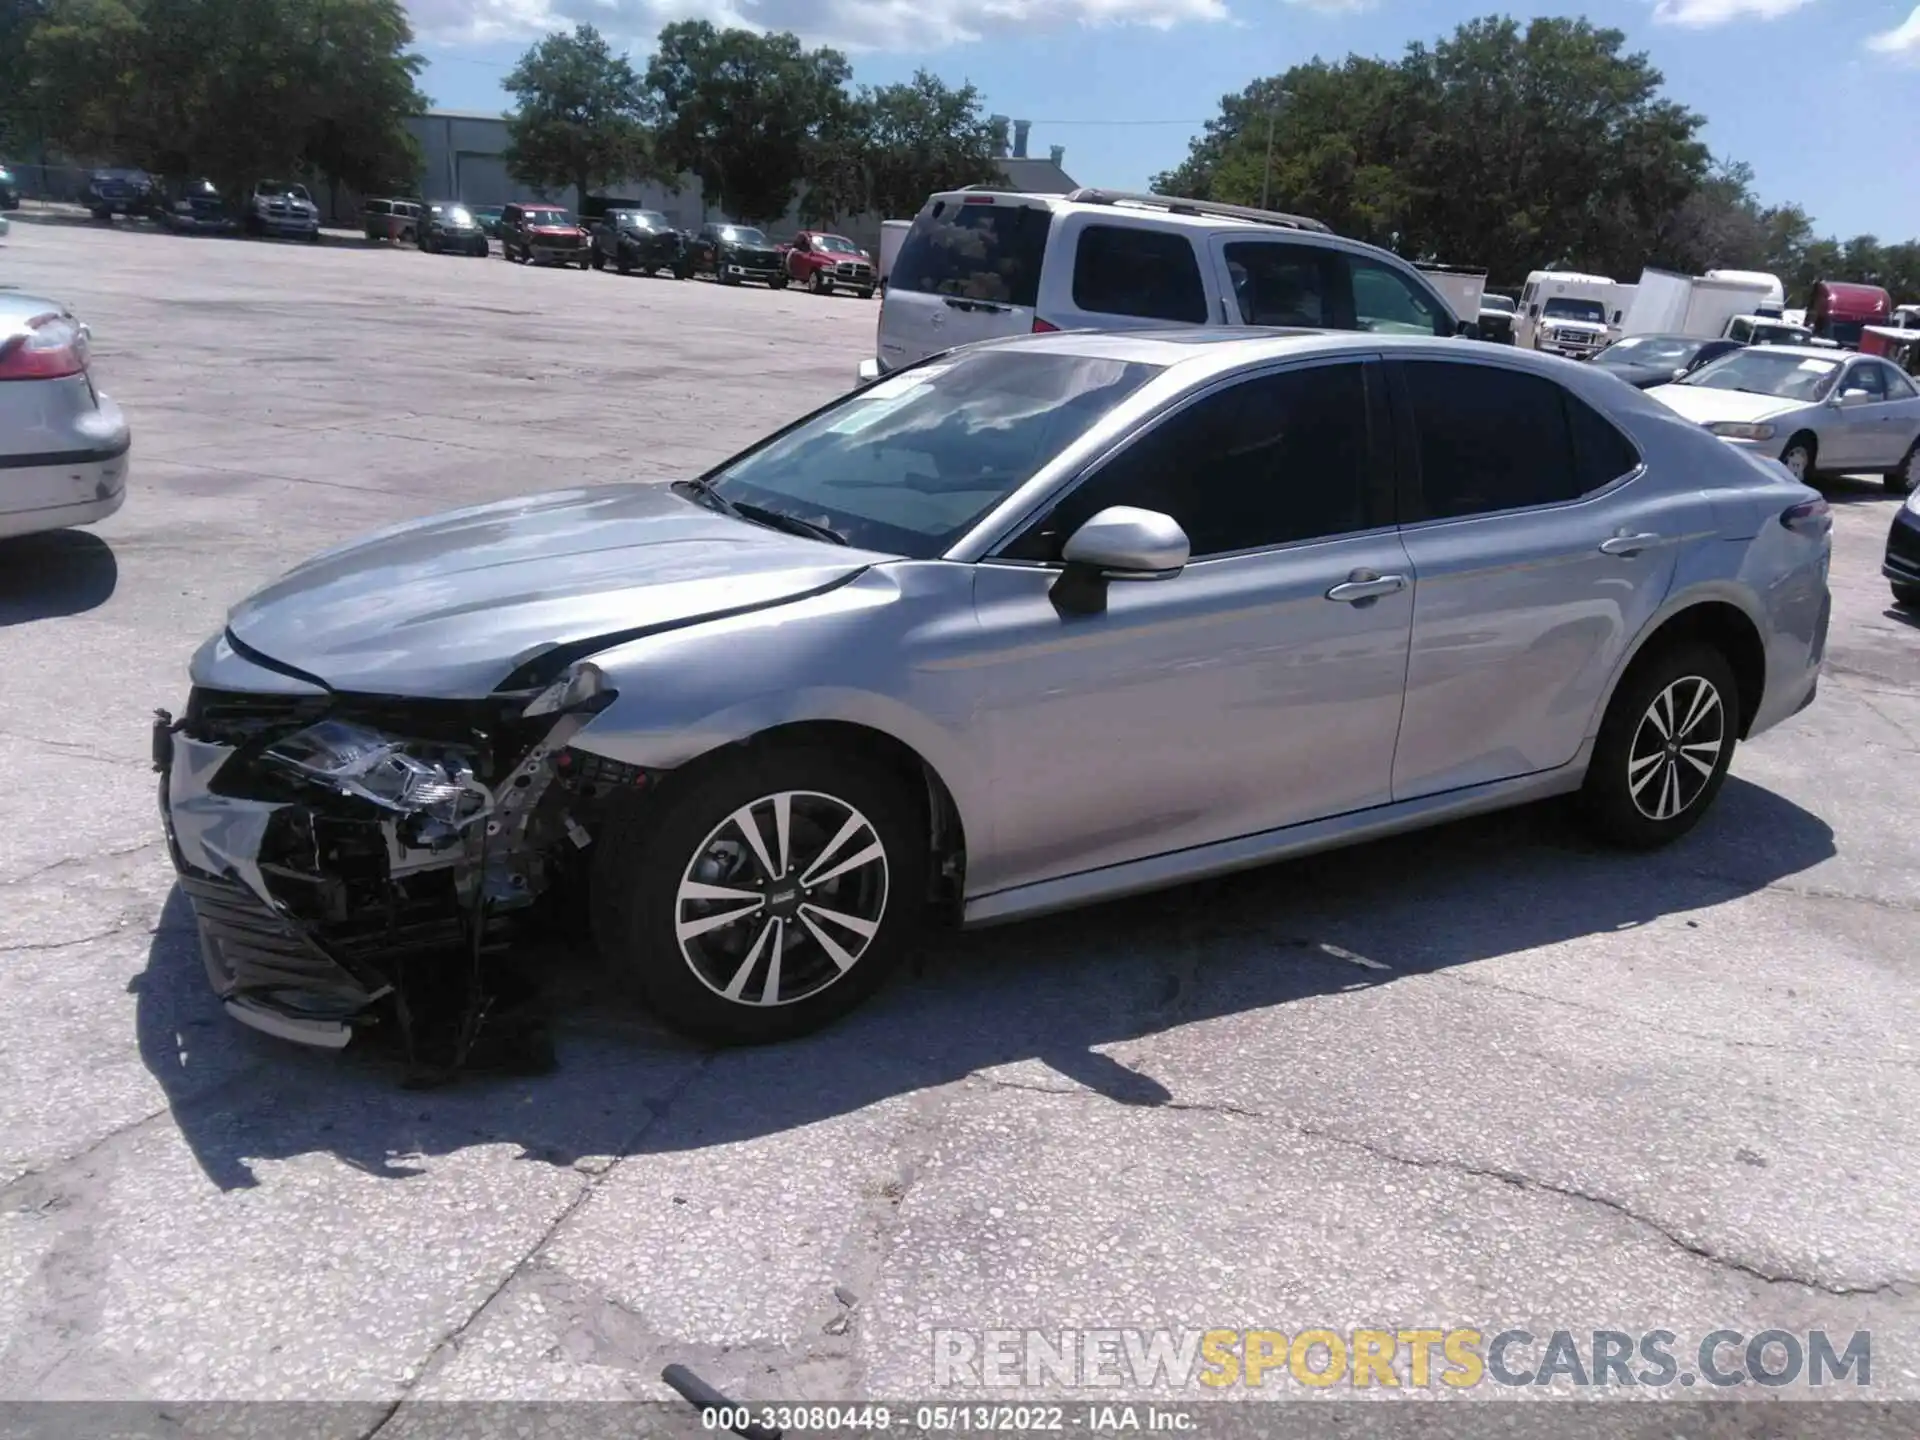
782,898
1676,748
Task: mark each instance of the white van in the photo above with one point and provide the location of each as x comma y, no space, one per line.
978,264
1565,313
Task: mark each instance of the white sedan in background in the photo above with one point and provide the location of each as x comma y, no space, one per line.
1816,411
63,445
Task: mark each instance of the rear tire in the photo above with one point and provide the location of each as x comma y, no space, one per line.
688,837
1664,747
778,282
1907,597
864,294
596,260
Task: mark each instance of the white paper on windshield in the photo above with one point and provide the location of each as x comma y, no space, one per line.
902,384
868,412
1818,367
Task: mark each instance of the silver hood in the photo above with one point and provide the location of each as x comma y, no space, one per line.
450,606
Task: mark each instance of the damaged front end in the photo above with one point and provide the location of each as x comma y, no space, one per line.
355,858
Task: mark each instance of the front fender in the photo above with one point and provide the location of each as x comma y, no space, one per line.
887,651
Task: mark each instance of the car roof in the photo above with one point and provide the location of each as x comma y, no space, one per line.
1804,352
1223,347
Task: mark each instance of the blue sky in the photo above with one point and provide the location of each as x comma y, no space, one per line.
1123,84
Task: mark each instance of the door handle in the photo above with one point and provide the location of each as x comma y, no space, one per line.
1628,544
1364,585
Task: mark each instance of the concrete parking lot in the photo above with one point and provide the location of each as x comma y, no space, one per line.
1486,1077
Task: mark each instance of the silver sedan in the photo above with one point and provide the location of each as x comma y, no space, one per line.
63,444
1816,411
1026,626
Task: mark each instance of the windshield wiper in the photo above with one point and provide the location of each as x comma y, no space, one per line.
792,524
703,491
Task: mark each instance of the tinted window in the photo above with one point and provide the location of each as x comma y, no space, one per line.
907,465
1601,453
1282,284
1384,300
1280,458
1489,439
979,252
1120,270
1899,387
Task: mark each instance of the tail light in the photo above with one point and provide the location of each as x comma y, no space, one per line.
1044,327
52,346
1812,518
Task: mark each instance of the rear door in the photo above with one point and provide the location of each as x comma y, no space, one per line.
1540,549
969,269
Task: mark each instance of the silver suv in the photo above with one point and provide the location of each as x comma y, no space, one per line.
982,264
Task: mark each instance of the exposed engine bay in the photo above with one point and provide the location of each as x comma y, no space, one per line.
358,861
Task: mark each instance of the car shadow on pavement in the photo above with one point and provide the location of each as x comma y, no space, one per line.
62,572
1054,990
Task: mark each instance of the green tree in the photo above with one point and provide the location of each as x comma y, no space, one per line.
749,114
231,89
906,142
581,116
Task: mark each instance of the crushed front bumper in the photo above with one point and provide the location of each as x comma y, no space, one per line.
319,912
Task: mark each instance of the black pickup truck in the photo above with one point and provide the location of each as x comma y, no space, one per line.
642,240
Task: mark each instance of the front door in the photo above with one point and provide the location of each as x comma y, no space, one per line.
1536,561
1250,691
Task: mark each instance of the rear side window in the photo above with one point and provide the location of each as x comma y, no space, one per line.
1601,453
1278,284
975,252
1122,270
1492,439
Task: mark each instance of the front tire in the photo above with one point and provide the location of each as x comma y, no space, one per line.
1799,457
1907,597
1664,747
742,937
1906,478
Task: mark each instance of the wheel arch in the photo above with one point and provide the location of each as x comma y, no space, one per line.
946,827
1718,620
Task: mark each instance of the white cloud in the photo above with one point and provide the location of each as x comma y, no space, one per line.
912,25
1699,14
1902,42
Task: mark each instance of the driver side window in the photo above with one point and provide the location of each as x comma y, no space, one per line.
1864,380
1384,302
1268,461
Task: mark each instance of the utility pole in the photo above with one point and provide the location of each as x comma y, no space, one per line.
1266,184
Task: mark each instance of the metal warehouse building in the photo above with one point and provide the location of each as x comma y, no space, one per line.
464,159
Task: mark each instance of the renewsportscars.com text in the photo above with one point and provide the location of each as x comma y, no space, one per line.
1457,1358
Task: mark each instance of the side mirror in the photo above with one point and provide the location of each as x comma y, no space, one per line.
1467,328
1682,373
1119,543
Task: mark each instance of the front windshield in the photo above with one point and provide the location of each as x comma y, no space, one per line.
1779,335
907,465
642,219
1496,302
547,217
1563,307
1788,377
454,214
741,235
838,244
1649,350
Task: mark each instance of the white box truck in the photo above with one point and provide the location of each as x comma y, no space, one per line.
1692,305
1565,313
1774,305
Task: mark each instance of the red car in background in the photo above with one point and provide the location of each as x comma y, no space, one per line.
542,235
825,262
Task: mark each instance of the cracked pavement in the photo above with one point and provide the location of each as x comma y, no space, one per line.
1484,1076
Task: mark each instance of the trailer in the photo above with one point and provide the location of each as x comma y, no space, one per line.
892,232
1668,303
1460,286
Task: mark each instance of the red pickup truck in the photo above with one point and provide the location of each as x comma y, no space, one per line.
824,262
